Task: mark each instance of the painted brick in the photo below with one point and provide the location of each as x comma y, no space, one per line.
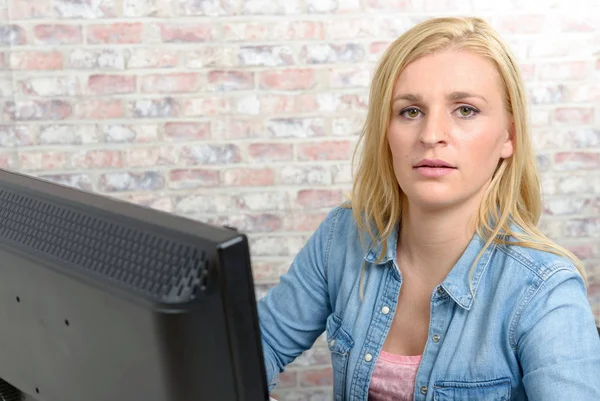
574,115
182,179
185,33
246,31
97,59
298,30
152,58
577,183
576,161
50,86
16,136
253,223
93,159
246,104
71,134
184,131
324,53
547,94
585,227
170,83
148,8
347,126
299,221
12,35
327,150
304,175
117,33
342,174
320,377
204,203
210,57
270,152
205,106
153,201
564,71
230,80
79,181
6,88
130,133
210,154
23,110
333,6
8,161
566,206
98,109
111,84
288,79
276,104
36,60
207,7
265,56
520,24
43,161
319,198
350,77
88,9
248,177
271,245
584,22
153,108
296,127
239,128
55,34
268,201
131,181
270,271
150,156
30,9
387,5
266,7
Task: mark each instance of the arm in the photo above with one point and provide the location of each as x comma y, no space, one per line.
293,313
557,341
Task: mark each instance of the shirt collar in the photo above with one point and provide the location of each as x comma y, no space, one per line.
457,284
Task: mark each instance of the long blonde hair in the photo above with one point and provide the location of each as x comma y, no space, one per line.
513,196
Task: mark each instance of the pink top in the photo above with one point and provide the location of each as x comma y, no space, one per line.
394,377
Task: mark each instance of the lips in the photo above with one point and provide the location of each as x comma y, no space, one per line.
434,163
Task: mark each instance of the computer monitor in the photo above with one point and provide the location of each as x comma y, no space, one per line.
104,300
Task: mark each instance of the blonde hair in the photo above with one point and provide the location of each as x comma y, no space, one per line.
513,196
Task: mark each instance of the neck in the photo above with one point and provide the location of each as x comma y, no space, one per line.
431,242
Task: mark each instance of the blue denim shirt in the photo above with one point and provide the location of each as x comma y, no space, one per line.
529,333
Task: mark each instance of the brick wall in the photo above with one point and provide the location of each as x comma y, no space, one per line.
245,112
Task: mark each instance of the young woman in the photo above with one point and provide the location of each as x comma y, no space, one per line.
433,282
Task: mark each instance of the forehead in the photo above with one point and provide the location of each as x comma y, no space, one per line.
449,71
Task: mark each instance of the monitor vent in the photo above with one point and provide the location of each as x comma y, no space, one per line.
157,267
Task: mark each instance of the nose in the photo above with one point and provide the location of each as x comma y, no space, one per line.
435,129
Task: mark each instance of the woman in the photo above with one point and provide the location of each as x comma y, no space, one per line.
433,282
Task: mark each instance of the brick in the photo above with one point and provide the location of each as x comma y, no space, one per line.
153,201
71,134
333,6
271,245
342,173
521,24
147,8
565,161
22,110
246,31
316,394
43,161
352,28
298,30
96,159
582,251
186,33
350,77
253,223
130,133
350,125
324,53
96,59
316,377
111,84
319,198
99,109
276,104
306,103
50,86
3,61
561,47
287,79
303,221
248,177
271,271
239,128
265,7
564,70
579,23
12,35
565,206
36,60
579,137
131,181
544,162
584,93
154,108
210,57
30,9
296,127
304,175
527,71
574,115
210,154
387,5
170,83
318,355
152,58
6,88
248,104
270,152
55,34
205,203
205,106
150,156
540,117
16,136
117,33
230,80
207,7
88,9
585,227
7,161
547,94
328,150
78,181
268,201
265,56
193,178
184,131
376,50
577,183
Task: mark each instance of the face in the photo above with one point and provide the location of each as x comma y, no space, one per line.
449,129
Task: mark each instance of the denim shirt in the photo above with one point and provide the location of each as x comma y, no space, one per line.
529,333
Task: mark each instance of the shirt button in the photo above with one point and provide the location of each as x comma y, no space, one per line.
436,338
332,343
441,291
423,390
368,357
385,310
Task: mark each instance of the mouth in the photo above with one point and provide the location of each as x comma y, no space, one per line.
434,164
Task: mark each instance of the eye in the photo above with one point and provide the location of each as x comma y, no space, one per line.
467,111
410,113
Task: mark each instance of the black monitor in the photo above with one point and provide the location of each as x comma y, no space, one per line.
104,300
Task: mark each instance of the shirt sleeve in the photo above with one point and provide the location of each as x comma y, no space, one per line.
294,312
557,341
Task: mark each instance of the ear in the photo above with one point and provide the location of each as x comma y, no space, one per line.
508,145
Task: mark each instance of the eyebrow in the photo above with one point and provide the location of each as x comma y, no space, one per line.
454,96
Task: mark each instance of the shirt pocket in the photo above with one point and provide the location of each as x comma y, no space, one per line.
489,390
340,343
